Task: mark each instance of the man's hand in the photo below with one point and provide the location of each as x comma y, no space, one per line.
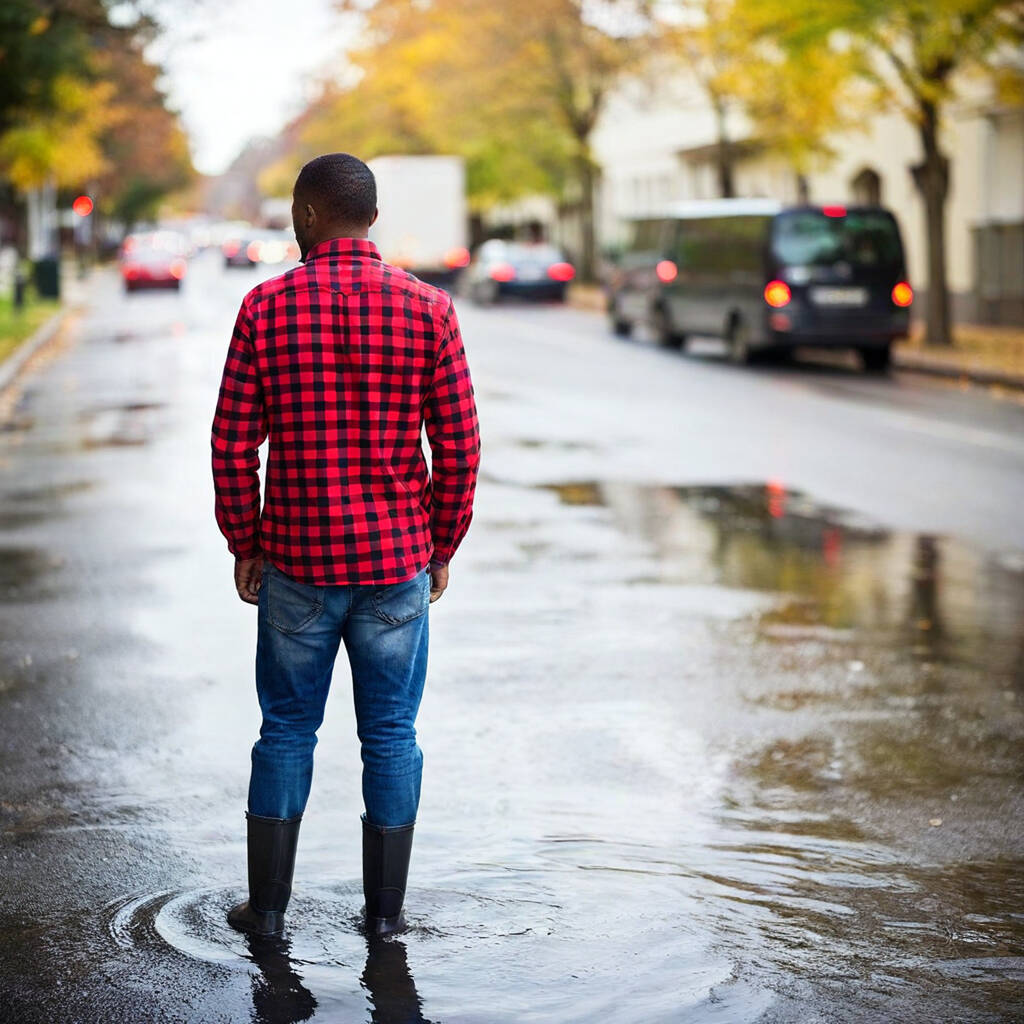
248,577
438,581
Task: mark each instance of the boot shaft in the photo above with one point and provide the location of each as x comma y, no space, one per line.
386,855
272,843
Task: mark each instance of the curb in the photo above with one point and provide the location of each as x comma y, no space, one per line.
13,364
974,375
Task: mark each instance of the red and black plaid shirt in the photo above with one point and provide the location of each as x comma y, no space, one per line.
342,361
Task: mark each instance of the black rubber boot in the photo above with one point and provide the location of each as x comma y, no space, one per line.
386,853
271,846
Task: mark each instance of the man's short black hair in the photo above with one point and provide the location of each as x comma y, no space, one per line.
340,186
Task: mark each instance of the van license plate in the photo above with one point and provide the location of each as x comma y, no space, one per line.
839,296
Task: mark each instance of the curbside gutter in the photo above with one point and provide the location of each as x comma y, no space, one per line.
13,364
913,362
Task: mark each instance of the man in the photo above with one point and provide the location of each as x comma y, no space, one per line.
342,362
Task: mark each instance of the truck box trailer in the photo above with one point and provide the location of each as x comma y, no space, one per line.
422,226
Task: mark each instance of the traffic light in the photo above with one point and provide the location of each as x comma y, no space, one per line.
82,206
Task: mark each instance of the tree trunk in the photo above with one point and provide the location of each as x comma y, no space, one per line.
723,154
588,235
931,177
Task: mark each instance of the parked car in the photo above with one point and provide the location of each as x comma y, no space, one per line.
259,246
767,278
153,259
531,270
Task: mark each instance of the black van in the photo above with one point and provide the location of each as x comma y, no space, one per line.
767,278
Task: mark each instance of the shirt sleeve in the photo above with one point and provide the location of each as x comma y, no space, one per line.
454,436
239,428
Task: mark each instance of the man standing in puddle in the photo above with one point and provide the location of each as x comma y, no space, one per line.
341,362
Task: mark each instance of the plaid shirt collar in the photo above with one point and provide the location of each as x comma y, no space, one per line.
344,248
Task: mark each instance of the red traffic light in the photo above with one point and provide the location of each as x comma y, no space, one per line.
82,206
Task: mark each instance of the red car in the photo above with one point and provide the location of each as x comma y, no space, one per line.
153,260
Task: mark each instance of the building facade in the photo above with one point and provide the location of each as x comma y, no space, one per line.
657,143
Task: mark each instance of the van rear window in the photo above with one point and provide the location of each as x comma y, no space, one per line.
862,238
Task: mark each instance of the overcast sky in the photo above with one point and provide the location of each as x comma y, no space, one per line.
239,68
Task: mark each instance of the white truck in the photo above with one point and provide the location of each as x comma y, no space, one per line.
422,225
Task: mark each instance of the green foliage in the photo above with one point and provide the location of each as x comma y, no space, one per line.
79,106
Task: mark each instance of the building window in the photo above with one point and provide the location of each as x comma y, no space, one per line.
866,187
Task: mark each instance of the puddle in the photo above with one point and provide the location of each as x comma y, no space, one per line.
547,444
21,570
836,572
118,425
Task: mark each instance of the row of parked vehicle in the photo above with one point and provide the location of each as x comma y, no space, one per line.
765,277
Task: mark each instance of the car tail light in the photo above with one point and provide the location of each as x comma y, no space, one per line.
456,258
502,272
777,294
561,272
666,271
253,250
131,272
775,491
834,211
230,248
902,294
177,269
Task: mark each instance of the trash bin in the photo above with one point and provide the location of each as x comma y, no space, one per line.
46,277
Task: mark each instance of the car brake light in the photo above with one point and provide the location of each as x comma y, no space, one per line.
561,272
666,271
230,248
253,251
834,211
456,258
131,273
503,272
777,294
177,269
902,294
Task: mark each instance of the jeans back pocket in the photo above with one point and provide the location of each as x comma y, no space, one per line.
402,602
291,604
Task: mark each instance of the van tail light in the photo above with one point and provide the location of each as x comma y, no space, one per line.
502,272
456,258
561,272
666,271
253,251
834,211
777,294
902,294
230,247
178,268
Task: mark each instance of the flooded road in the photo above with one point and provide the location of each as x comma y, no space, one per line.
723,722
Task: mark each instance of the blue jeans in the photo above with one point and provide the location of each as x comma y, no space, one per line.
385,630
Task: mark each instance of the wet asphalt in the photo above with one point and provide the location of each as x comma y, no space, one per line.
723,719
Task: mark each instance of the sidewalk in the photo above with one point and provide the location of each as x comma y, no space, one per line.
981,354
24,333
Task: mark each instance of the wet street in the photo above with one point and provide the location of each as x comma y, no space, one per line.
723,722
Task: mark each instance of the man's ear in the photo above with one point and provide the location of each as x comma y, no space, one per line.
373,219
310,216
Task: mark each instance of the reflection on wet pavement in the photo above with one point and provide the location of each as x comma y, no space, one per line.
694,753
931,596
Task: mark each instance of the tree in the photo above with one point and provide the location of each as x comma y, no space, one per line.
914,53
517,94
714,46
